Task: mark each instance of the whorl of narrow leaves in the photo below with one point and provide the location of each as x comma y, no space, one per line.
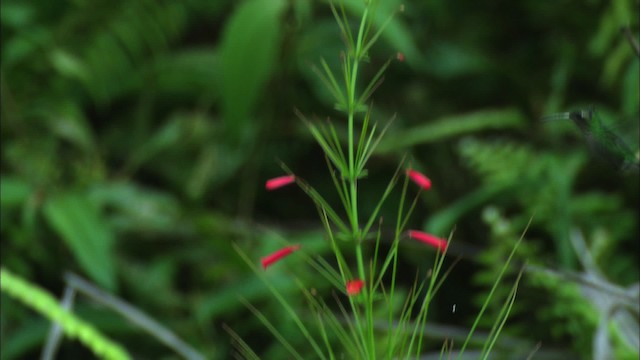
45,304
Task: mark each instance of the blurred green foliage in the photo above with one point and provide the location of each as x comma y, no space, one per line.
136,136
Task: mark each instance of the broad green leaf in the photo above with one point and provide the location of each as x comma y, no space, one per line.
79,223
451,126
248,52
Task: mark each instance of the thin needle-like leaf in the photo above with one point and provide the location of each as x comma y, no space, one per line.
322,203
240,344
330,82
269,325
283,302
502,317
493,289
375,37
340,184
384,196
373,84
343,23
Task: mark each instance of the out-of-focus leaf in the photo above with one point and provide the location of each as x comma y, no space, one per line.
188,72
451,126
18,49
79,223
561,74
67,120
219,301
128,39
248,53
443,221
31,334
447,60
135,208
607,32
631,92
13,191
16,15
34,159
207,167
166,136
68,65
615,62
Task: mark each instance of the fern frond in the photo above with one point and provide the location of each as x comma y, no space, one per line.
499,162
128,34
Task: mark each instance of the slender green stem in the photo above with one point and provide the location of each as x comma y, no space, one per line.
353,179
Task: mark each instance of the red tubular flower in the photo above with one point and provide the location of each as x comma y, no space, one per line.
276,256
279,182
419,178
354,287
400,56
436,242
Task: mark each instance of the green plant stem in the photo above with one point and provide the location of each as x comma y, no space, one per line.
354,59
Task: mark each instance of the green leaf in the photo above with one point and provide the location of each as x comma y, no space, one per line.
445,220
67,120
166,136
68,65
631,92
79,223
136,208
188,72
248,54
451,126
16,15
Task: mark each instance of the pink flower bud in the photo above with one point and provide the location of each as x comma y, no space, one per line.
431,240
278,255
419,178
278,182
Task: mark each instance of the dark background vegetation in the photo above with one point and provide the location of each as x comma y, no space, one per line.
137,135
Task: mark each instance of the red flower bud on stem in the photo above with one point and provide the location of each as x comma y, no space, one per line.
419,178
354,287
431,240
278,255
